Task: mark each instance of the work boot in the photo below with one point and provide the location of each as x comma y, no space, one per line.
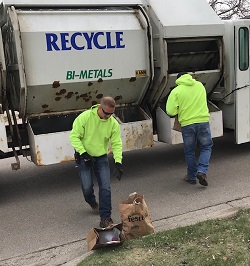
95,207
106,222
202,179
190,181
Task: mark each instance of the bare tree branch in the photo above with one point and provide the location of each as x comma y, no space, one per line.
231,9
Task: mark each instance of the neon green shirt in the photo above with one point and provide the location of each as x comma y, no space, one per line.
92,134
189,101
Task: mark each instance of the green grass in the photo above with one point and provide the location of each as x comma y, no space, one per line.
213,242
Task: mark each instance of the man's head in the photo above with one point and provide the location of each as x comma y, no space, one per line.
180,74
107,107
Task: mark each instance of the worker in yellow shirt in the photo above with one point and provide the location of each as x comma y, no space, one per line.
92,131
189,101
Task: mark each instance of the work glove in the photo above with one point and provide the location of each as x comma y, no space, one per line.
118,171
88,160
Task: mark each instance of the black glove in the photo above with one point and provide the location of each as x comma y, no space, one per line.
88,160
77,157
118,171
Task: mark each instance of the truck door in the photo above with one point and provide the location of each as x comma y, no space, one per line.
242,85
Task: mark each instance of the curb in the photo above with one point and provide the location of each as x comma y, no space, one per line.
78,259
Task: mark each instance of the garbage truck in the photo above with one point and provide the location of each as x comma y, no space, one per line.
59,58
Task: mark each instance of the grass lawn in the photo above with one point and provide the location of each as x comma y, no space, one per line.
213,242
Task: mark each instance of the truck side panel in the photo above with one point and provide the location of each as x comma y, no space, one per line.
71,65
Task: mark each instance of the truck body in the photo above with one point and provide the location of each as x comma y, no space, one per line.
58,59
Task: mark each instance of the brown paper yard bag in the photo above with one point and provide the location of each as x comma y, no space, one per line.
177,125
93,237
135,217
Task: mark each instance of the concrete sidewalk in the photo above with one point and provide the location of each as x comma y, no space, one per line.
214,212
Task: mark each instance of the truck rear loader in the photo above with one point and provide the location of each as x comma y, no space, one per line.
58,59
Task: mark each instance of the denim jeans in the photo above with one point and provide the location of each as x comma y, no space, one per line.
197,134
102,172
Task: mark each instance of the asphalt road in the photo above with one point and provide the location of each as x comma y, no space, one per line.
43,214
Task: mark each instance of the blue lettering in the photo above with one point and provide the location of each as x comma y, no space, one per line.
109,45
84,40
89,39
97,45
73,41
51,39
64,41
119,39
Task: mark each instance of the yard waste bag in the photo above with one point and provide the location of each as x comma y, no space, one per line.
136,221
102,237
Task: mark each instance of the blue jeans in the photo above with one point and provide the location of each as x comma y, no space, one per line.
102,173
197,134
